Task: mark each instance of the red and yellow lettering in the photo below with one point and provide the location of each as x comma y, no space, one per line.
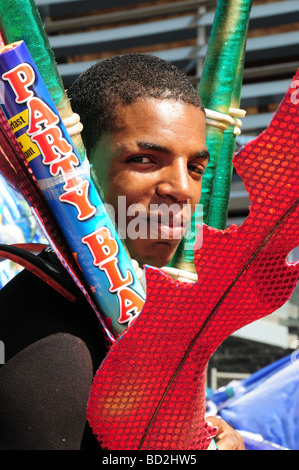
101,245
79,198
20,78
40,113
131,304
51,144
104,249
114,275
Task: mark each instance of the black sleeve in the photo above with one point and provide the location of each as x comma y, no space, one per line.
44,391
53,348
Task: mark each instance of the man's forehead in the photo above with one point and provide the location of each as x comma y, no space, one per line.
151,126
133,145
200,154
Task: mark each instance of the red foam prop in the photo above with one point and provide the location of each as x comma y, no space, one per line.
149,393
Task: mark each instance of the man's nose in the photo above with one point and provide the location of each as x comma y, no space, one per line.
175,182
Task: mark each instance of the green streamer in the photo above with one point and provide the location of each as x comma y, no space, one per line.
20,20
219,76
218,208
219,201
214,139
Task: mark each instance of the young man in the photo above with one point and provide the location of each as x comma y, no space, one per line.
144,131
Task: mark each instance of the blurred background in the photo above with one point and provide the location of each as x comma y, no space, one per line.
82,32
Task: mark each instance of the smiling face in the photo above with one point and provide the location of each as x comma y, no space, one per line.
155,158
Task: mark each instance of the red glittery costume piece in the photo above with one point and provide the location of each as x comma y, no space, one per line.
149,393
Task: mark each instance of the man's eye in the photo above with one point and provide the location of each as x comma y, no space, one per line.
196,169
140,159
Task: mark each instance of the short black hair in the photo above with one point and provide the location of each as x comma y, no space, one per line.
119,81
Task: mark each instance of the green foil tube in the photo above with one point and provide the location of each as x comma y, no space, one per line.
219,200
220,89
225,52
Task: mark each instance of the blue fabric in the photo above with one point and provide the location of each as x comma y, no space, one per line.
17,225
271,408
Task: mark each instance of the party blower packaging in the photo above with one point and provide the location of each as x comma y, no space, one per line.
65,182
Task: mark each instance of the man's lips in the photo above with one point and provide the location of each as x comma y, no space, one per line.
159,225
166,232
172,220
167,228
